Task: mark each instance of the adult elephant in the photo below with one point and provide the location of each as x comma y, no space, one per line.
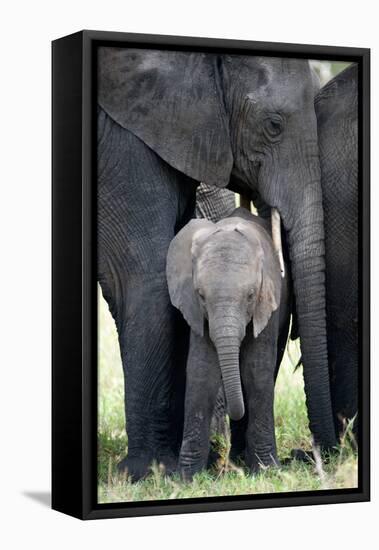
168,120
337,116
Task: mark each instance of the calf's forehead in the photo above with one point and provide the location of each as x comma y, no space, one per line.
227,254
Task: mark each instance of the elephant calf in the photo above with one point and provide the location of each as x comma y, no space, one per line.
226,280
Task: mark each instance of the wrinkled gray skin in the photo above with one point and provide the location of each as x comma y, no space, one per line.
337,117
167,121
214,203
225,279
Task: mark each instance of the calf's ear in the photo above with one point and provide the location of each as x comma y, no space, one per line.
179,273
268,296
266,303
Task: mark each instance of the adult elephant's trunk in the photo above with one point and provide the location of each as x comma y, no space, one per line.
228,347
306,239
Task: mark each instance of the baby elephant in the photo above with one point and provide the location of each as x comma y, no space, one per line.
226,280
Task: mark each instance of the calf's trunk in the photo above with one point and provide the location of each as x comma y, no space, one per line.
228,355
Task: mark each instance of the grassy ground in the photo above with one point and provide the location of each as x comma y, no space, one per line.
291,432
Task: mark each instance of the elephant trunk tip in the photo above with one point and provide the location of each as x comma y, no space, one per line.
236,411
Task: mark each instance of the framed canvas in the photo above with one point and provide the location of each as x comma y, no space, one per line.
210,275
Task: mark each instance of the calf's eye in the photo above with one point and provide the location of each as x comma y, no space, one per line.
250,296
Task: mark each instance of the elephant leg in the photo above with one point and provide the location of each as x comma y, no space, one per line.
142,202
218,423
203,380
258,361
342,283
152,365
344,361
238,430
219,431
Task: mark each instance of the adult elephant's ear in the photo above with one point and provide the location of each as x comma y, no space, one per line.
173,102
179,273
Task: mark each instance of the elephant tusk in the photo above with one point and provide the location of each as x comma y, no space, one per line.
277,238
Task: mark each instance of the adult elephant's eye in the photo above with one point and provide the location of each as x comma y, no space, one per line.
274,126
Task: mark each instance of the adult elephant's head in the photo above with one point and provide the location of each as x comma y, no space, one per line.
248,123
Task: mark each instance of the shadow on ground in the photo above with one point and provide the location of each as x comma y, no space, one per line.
42,497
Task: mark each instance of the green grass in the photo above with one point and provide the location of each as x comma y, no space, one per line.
291,432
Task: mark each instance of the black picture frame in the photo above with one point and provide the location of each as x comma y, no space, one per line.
74,310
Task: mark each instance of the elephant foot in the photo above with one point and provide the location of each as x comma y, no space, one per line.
187,469
168,464
139,467
237,457
301,456
187,473
258,465
308,457
135,467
